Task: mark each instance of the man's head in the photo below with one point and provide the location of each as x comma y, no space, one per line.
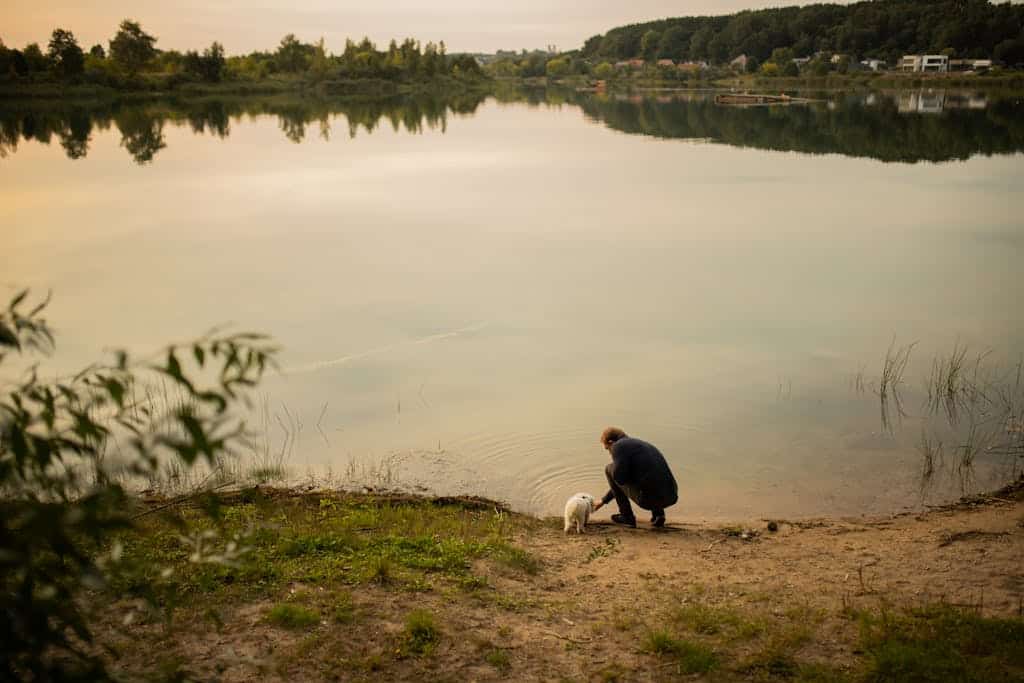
610,435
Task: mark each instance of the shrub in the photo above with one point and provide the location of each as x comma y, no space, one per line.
62,501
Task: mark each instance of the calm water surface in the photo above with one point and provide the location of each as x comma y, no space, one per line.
467,299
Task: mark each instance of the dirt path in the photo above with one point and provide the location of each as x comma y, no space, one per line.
614,584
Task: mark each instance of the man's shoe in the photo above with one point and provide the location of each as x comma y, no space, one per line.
619,518
658,521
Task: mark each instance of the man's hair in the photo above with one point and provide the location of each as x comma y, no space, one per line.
611,435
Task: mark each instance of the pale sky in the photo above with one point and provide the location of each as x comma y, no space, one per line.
464,25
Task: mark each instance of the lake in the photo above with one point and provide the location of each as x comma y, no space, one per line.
468,291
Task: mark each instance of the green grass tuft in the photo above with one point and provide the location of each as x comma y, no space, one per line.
699,619
499,659
343,611
380,570
289,615
692,657
421,633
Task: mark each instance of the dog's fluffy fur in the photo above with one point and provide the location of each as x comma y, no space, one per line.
577,511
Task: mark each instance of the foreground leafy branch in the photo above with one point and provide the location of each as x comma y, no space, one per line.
63,495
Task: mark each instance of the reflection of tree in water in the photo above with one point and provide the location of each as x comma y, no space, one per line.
142,126
76,136
141,134
848,127
210,116
292,120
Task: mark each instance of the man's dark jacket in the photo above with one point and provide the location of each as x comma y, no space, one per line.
640,469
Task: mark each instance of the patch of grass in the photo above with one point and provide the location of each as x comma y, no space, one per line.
343,611
710,620
942,644
612,673
774,665
792,637
499,659
473,582
699,619
409,544
318,544
771,663
380,570
511,603
421,633
692,657
372,662
516,558
171,669
609,547
290,615
821,673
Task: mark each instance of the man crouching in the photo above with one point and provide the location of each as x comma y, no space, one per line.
637,472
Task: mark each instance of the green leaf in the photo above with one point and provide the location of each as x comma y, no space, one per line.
18,298
115,389
173,366
8,338
43,304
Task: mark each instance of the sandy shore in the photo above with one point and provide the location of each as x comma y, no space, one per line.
789,604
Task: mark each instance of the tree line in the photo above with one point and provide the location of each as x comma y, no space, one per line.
132,55
882,29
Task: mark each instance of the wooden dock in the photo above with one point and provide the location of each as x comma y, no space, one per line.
751,100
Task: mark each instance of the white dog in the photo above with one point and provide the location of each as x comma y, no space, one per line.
577,511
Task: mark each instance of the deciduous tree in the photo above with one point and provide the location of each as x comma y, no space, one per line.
65,54
132,48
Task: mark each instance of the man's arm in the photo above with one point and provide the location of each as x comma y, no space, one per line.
604,501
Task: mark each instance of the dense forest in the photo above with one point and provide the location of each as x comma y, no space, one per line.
132,59
884,29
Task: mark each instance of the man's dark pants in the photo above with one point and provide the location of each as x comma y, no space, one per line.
624,492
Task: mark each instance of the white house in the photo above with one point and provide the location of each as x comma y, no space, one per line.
874,64
970,64
739,63
925,63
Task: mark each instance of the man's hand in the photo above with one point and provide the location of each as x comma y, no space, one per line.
598,505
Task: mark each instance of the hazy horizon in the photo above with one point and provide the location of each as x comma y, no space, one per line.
464,26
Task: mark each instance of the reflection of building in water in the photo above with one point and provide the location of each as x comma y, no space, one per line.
925,63
921,102
966,101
